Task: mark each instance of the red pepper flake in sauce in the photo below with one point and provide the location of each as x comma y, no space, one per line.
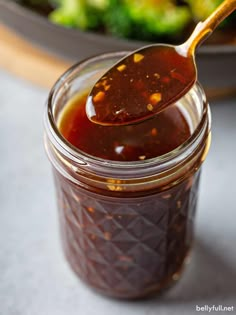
93,237
178,76
104,82
90,209
155,98
107,236
165,80
154,132
107,87
157,75
99,97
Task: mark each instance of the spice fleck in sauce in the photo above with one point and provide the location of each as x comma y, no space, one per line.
145,140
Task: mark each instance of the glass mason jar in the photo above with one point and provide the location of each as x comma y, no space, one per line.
126,227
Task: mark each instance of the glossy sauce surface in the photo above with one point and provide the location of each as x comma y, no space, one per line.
141,85
145,140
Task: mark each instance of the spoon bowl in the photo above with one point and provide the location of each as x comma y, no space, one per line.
135,88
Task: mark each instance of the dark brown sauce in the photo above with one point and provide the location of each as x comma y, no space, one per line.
127,249
145,140
141,85
126,244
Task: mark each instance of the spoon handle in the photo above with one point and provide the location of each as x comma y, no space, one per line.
205,28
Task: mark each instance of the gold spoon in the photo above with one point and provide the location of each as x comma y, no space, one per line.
151,78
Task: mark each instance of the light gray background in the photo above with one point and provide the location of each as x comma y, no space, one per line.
34,277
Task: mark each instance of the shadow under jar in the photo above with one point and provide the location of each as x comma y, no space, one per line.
126,226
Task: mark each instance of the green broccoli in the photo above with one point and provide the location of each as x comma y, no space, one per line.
84,14
159,17
145,19
141,19
136,19
117,20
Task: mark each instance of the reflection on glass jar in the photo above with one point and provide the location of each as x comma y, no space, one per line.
126,226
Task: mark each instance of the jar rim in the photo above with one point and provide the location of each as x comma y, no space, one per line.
82,158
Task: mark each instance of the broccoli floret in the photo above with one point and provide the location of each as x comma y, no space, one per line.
117,19
70,13
84,14
137,19
141,19
98,4
145,19
159,17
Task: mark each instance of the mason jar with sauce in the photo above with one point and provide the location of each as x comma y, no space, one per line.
126,195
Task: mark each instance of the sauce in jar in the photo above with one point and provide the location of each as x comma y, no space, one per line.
126,195
133,242
149,139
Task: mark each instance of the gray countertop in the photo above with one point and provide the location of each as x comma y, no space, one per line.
34,277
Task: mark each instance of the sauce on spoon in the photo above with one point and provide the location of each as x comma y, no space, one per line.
148,80
140,85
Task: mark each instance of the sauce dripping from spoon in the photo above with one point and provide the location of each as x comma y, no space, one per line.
149,79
